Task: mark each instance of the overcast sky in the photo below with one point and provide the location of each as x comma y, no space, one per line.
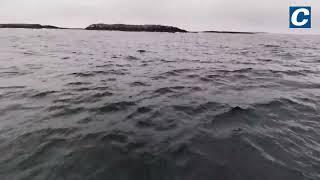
237,15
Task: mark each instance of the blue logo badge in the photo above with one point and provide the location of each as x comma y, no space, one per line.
300,17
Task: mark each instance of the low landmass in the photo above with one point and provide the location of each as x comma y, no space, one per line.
229,32
29,26
121,27
135,28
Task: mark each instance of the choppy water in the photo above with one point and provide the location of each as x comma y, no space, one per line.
158,106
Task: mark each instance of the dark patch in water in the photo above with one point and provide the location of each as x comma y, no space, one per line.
141,51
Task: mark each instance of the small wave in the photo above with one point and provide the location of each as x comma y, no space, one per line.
12,87
43,94
152,122
235,116
265,60
78,83
165,90
47,132
82,74
193,76
138,83
243,70
14,73
116,136
202,108
17,107
66,110
271,46
114,107
141,51
29,53
140,111
132,58
96,73
167,61
102,94
176,72
105,66
290,72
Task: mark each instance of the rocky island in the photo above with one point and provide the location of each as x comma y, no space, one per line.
29,26
135,28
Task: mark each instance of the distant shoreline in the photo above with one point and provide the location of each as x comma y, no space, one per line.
120,27
229,32
29,26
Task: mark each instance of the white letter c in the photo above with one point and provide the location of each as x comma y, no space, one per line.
295,14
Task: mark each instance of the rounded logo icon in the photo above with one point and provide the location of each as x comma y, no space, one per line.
300,17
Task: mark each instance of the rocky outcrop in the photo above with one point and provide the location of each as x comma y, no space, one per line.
134,28
28,26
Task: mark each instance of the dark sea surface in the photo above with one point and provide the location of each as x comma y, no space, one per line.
90,105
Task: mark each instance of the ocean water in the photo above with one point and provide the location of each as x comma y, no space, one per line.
91,105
